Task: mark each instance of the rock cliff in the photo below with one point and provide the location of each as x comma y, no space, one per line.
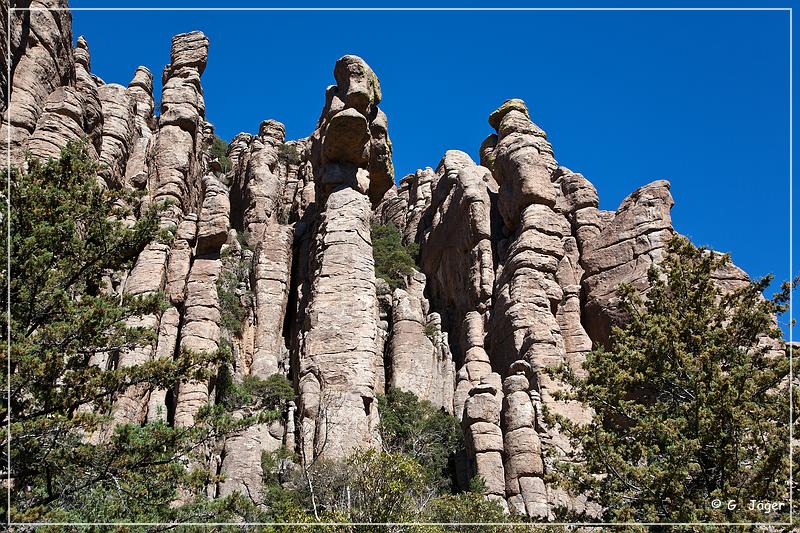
517,270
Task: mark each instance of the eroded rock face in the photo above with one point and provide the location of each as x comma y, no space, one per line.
200,332
261,181
522,162
622,252
119,132
272,270
241,464
484,438
351,161
517,272
140,90
41,62
62,119
524,468
456,247
174,171
524,324
418,350
352,134
212,230
339,344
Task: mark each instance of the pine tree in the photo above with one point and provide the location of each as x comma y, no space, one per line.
68,235
691,408
421,431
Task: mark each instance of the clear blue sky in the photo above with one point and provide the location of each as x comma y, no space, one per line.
698,98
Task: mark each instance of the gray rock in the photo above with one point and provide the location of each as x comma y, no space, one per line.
273,263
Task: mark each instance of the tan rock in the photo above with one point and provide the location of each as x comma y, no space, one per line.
273,263
119,132
241,466
418,351
62,119
165,349
43,63
622,253
214,223
200,332
489,466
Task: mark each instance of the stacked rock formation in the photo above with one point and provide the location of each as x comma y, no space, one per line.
517,271
42,63
511,248
417,351
351,160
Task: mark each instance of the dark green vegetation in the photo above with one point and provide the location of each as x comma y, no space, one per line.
393,259
424,433
430,331
409,480
689,406
219,149
233,287
67,331
266,395
289,153
232,311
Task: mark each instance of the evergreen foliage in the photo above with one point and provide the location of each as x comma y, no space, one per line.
430,331
289,153
219,149
388,487
421,431
67,329
689,407
266,395
234,301
393,259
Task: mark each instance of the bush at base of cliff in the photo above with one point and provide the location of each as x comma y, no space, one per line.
691,406
422,431
373,486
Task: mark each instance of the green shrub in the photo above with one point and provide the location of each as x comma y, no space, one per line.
243,238
66,236
470,507
219,149
233,301
430,331
393,259
422,431
266,394
688,403
289,153
232,312
384,486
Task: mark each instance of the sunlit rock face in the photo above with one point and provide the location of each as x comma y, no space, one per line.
517,270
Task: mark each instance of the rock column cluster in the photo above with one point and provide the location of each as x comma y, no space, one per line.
517,271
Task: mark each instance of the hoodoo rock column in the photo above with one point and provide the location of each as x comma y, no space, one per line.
351,158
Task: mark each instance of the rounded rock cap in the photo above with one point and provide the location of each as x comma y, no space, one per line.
272,128
513,104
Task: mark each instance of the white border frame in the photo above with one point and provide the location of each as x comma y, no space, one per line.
333,524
